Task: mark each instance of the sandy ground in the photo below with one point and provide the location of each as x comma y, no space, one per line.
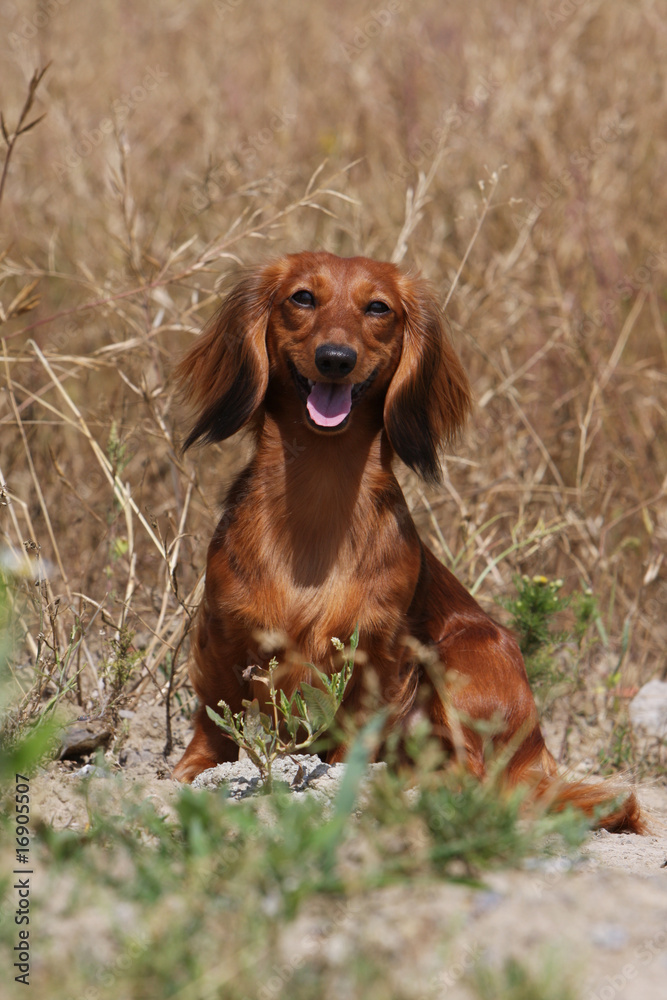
601,917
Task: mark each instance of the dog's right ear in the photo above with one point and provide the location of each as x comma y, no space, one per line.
227,371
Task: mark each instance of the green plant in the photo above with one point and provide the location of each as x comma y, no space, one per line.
619,753
119,667
515,981
117,450
257,865
533,609
310,709
460,826
587,614
29,727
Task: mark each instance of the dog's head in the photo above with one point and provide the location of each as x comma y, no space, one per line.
331,341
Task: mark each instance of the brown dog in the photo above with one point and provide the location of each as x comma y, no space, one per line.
337,366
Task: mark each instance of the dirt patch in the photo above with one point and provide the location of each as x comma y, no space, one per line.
602,916
137,756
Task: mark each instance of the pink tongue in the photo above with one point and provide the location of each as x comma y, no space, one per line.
328,403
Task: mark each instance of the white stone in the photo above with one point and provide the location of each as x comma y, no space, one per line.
648,709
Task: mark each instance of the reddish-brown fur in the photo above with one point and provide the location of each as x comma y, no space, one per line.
316,534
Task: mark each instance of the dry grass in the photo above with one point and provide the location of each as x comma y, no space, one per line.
517,160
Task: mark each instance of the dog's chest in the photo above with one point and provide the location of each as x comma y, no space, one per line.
312,586
284,589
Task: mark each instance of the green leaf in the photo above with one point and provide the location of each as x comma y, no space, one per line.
356,764
329,836
285,705
321,706
252,720
300,704
227,725
28,752
258,759
341,680
292,724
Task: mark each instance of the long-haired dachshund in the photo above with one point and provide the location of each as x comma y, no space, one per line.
338,365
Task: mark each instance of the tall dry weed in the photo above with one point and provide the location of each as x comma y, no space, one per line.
513,153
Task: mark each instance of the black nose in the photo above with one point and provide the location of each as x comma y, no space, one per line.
334,360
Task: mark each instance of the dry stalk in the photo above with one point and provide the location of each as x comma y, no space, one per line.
35,478
213,252
600,384
486,205
416,200
119,490
21,128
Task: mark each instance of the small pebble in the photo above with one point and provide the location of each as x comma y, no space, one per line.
91,771
613,937
484,902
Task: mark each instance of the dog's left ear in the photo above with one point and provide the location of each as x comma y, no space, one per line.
429,396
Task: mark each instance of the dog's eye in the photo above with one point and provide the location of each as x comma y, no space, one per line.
376,308
303,298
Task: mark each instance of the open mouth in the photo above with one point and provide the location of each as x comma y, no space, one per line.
328,404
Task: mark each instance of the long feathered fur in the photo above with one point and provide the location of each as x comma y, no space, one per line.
338,365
